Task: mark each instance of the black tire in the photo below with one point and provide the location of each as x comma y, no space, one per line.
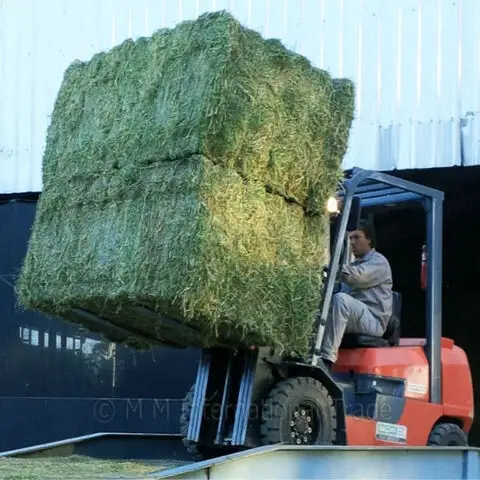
198,452
447,435
306,403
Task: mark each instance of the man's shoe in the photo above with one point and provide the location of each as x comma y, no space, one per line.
327,365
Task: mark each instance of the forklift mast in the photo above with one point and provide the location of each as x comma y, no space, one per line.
369,191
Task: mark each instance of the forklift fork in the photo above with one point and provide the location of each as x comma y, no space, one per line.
222,397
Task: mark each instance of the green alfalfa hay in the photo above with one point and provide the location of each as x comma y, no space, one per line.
186,238
78,467
210,87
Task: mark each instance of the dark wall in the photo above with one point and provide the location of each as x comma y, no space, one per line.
400,237
58,382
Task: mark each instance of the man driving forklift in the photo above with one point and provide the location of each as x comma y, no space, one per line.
364,303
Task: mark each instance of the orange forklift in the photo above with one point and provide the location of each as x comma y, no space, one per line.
382,391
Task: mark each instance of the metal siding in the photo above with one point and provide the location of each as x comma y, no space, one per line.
334,462
416,64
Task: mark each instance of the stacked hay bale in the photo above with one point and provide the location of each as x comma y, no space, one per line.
188,173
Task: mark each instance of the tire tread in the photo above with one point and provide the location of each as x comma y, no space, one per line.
270,429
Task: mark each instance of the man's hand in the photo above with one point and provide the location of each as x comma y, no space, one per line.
337,285
325,272
345,274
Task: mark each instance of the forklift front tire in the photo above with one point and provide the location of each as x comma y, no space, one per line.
299,411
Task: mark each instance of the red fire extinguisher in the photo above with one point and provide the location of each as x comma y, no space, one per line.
423,272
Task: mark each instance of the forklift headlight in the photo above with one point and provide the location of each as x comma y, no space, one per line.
332,205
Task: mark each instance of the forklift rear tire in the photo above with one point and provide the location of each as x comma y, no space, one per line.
448,435
299,411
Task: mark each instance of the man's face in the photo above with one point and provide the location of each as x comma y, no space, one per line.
359,243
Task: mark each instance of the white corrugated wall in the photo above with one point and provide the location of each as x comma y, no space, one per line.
416,64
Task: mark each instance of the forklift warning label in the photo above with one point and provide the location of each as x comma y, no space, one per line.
389,432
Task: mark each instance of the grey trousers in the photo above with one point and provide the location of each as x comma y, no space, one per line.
347,315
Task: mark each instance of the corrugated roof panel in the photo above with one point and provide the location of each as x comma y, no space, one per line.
416,64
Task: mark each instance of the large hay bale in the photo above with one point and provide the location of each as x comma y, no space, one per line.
168,165
187,238
209,87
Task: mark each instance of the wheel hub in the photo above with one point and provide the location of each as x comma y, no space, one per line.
302,426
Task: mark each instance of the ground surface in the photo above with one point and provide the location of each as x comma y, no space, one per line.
77,467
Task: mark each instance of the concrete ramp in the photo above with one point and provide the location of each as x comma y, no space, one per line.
318,462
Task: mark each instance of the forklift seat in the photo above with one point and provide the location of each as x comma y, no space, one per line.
391,337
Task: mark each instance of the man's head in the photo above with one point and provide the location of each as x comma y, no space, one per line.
362,240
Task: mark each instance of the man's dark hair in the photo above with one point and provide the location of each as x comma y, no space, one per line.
368,230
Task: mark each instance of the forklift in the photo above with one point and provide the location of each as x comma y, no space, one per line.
388,390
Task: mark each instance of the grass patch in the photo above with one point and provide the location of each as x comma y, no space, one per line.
75,466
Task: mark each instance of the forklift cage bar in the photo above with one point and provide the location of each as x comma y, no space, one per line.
375,189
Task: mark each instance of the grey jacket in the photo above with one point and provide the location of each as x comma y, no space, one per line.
370,282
